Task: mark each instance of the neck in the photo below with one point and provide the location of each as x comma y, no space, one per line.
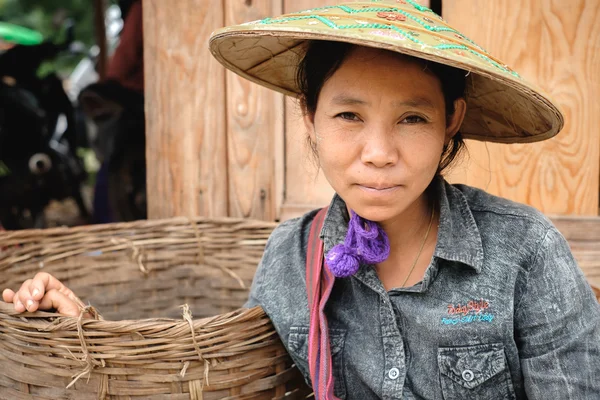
407,229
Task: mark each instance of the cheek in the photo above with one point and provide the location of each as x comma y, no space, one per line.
422,147
336,156
336,145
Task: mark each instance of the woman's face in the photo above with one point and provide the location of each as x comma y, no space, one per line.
380,128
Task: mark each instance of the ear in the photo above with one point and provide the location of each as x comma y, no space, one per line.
455,121
309,125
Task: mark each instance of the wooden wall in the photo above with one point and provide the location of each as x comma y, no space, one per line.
186,119
255,131
214,140
556,44
221,146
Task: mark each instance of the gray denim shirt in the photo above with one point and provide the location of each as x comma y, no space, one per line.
503,310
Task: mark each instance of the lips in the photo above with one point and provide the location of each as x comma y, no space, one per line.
378,186
378,189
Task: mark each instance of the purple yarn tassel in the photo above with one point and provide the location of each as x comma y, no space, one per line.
365,242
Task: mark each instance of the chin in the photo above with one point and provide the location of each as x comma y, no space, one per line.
377,213
379,208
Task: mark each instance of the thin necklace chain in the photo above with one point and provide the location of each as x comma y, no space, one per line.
421,249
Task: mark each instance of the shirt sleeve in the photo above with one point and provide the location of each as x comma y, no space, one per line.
253,296
557,326
279,285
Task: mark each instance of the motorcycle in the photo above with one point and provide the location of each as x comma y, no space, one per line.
38,137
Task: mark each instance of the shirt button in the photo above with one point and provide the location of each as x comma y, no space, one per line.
394,373
468,375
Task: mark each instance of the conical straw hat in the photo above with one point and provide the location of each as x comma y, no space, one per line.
502,106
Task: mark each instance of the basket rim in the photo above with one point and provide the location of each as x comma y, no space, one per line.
51,319
154,223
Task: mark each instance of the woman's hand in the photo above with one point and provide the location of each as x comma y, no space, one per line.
44,292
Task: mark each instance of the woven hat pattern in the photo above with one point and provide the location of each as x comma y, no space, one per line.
399,24
502,107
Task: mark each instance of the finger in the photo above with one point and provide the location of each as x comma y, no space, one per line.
24,289
44,282
19,306
55,299
24,295
7,295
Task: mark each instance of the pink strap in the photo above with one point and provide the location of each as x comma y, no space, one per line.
319,282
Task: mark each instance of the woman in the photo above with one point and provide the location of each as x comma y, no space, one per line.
407,287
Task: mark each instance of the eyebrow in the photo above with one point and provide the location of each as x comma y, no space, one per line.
417,102
345,100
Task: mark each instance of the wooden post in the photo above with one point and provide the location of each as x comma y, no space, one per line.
186,152
255,130
100,36
555,45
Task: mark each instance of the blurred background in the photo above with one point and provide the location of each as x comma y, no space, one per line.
71,113
46,17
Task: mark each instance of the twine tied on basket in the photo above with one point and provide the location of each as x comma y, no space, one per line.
200,258
87,358
187,316
136,253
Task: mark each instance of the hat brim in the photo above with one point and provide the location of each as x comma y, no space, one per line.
502,107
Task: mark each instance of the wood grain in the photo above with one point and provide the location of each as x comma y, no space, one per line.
185,110
255,129
556,45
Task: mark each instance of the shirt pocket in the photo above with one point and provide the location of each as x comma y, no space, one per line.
475,372
298,348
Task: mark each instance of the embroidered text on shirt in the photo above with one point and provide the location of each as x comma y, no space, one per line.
472,311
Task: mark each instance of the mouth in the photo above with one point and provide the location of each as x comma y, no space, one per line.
378,188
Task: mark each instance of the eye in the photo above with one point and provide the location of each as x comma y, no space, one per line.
348,116
413,119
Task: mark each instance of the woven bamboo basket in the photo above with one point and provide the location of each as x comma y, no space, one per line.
146,345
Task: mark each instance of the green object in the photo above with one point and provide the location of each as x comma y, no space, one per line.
19,35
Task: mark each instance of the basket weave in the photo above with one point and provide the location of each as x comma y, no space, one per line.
144,269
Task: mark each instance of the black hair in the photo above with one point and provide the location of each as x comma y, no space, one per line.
324,58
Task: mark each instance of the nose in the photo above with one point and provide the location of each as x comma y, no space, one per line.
379,149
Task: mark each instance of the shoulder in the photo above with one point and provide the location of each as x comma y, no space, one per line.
480,201
512,234
288,242
279,285
494,212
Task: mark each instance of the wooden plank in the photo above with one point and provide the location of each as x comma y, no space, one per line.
580,229
555,45
185,110
254,130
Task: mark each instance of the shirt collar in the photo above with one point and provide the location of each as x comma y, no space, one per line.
458,238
